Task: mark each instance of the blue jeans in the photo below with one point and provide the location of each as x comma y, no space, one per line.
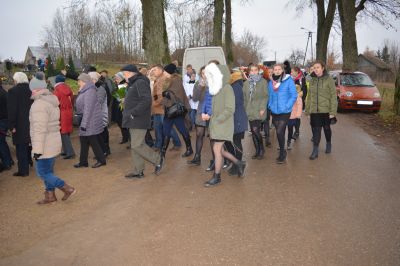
45,170
5,154
158,128
179,122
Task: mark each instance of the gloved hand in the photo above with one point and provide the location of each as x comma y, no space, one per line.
83,129
166,94
36,156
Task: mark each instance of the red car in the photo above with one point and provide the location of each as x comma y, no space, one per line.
356,91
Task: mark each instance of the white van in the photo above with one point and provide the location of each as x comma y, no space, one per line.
200,56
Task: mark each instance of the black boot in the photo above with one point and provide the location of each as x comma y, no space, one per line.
261,150
282,157
233,170
211,167
256,145
314,154
328,147
164,147
196,160
216,179
160,164
289,145
241,166
188,143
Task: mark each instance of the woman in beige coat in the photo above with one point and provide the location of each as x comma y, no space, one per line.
45,134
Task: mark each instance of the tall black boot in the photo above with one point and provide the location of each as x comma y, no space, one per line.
256,146
216,179
328,147
282,157
241,166
189,149
314,154
261,149
196,160
164,147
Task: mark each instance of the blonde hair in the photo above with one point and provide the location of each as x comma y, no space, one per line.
20,77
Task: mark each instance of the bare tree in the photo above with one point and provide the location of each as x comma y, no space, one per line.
296,57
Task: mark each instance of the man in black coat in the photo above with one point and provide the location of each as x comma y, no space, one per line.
18,107
137,117
5,156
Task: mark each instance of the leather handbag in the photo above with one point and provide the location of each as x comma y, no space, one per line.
77,119
177,109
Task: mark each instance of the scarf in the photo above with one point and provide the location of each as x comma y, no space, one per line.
253,79
276,81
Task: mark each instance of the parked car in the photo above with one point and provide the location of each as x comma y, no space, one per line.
356,91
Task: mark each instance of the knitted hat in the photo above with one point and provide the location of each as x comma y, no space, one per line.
40,75
120,75
170,69
85,78
60,78
130,68
37,84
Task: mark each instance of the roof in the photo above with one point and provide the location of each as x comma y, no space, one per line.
41,51
376,62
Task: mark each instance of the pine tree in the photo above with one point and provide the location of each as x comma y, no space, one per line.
385,54
50,71
60,65
71,64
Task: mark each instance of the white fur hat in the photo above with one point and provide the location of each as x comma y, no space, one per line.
20,77
214,78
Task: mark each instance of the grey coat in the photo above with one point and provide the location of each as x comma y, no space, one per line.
88,105
102,98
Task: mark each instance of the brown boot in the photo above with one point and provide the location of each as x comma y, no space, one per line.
49,197
68,191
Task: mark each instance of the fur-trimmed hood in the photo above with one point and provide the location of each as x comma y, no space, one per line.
217,77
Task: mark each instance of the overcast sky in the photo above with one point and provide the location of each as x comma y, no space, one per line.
23,22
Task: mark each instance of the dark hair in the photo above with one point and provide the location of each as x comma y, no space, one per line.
316,62
104,71
189,65
201,69
253,65
297,69
215,61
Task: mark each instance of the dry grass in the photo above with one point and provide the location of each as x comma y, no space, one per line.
386,113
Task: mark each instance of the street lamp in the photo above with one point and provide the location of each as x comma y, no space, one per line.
310,33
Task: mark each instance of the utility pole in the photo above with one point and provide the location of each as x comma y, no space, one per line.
310,34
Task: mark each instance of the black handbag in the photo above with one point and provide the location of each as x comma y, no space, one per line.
77,119
177,109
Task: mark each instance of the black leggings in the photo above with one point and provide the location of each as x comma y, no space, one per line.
236,148
200,133
319,122
280,122
255,127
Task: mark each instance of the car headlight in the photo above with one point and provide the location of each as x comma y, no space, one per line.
349,94
377,95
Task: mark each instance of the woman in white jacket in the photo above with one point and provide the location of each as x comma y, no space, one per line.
45,134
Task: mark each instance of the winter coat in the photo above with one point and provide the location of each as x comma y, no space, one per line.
297,108
157,107
282,100
102,98
137,104
223,102
88,105
3,104
177,93
239,117
257,102
321,95
207,104
66,99
44,118
18,106
199,93
174,85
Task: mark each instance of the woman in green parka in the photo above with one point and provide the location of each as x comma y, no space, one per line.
255,101
221,121
321,106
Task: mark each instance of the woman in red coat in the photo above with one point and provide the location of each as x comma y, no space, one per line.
65,97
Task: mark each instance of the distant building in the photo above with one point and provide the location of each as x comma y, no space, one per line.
377,69
269,63
34,53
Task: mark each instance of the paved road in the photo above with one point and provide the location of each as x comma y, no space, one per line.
343,209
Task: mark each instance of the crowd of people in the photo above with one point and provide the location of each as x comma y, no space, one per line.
216,102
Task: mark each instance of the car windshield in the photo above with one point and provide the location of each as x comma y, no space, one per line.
355,79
